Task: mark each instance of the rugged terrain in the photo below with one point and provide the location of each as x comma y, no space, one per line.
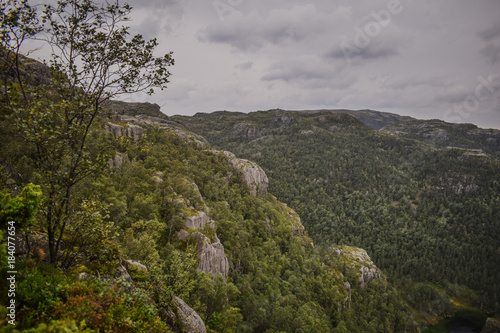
426,210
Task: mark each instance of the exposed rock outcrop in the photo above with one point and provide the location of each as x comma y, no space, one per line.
184,315
253,175
347,300
129,130
122,274
246,130
134,127
368,274
136,269
492,325
198,221
211,253
118,160
212,257
359,260
459,184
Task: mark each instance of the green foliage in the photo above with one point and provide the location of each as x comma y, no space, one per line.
58,326
100,307
137,274
90,233
52,302
21,209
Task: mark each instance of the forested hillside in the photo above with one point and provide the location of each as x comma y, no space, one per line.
126,222
150,205
425,214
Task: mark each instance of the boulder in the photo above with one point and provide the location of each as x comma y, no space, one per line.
135,269
184,316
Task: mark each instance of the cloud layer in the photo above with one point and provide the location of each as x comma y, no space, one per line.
413,58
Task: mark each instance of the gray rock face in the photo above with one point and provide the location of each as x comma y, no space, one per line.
253,175
211,253
191,321
246,129
360,261
134,127
347,300
198,221
121,272
368,274
130,131
118,160
212,257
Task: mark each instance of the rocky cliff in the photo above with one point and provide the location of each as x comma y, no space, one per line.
360,261
210,250
253,175
134,127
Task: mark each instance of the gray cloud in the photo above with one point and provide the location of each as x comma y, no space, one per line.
155,5
245,66
283,26
491,33
491,52
293,71
271,53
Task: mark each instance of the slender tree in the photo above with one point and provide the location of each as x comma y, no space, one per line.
93,59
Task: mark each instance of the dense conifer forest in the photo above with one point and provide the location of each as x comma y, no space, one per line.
426,214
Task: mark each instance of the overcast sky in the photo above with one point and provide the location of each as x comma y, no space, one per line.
426,59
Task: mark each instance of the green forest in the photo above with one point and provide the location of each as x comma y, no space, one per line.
428,216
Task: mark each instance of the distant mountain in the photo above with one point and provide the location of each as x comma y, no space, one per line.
440,133
374,119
